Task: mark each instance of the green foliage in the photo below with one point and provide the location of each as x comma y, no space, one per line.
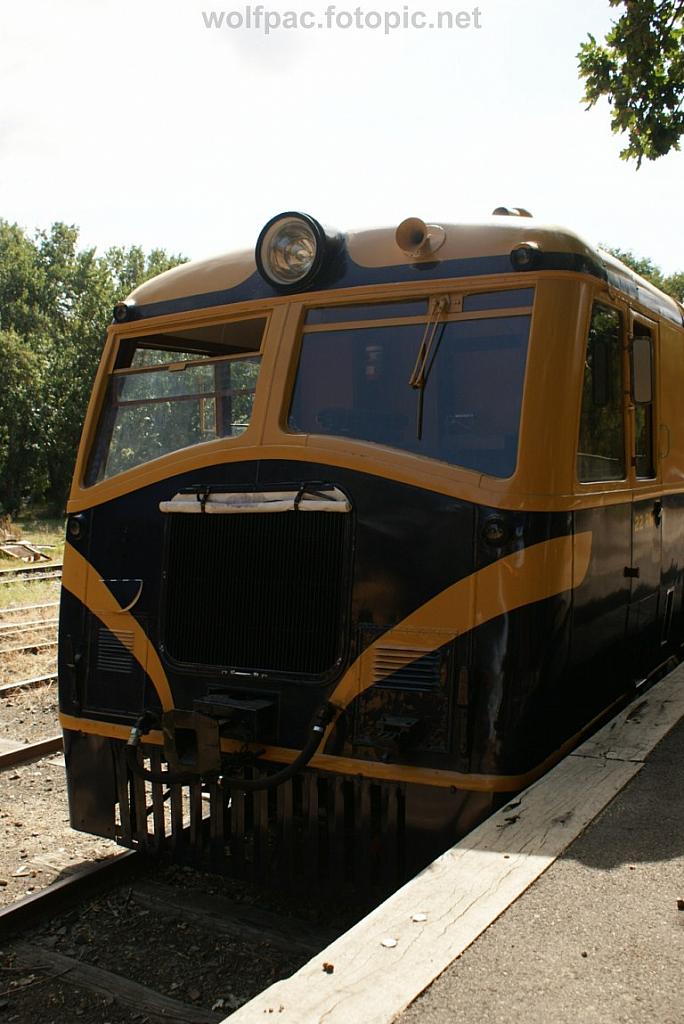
55,304
22,465
639,68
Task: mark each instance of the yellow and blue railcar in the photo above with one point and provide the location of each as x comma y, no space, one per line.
366,531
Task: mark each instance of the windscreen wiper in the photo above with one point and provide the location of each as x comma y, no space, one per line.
427,353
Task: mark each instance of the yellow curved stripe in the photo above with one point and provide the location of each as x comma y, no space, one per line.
81,580
325,762
380,770
532,574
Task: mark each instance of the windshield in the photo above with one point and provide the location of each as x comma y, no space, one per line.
173,390
359,382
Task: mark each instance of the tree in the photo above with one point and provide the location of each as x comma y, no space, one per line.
55,304
22,457
639,68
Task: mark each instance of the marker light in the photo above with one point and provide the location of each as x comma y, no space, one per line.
290,250
122,312
525,256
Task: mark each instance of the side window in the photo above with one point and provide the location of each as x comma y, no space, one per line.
601,448
642,394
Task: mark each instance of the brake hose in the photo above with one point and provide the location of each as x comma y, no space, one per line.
323,716
143,725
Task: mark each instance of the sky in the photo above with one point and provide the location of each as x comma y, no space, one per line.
141,125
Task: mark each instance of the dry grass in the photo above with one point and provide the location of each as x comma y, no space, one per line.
44,530
25,592
16,665
45,533
15,615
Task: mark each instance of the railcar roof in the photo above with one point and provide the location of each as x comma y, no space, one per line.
372,256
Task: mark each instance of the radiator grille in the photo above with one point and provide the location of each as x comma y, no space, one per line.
262,592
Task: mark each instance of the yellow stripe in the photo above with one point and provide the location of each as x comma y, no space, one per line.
81,580
532,574
325,762
366,769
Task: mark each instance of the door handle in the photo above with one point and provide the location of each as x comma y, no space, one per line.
657,512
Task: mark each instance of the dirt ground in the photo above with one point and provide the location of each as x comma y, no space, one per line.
30,715
36,842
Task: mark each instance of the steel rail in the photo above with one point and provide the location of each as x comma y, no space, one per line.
28,570
25,752
28,608
26,627
23,648
67,891
31,579
26,684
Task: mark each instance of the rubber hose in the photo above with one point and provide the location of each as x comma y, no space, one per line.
324,715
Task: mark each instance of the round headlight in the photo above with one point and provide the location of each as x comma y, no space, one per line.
290,250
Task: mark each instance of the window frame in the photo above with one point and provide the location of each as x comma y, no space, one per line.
623,481
652,327
140,330
455,313
629,316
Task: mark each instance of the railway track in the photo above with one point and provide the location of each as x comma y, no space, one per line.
23,608
123,890
64,893
31,573
13,753
26,684
27,627
31,648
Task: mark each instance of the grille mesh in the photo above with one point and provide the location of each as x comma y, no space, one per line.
257,591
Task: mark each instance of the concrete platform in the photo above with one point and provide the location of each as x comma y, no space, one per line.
598,938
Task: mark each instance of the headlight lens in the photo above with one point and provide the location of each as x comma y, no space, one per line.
290,250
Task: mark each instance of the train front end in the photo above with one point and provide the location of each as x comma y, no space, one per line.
309,624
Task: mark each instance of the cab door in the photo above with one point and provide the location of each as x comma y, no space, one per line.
647,506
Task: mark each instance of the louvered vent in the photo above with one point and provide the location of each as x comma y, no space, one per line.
258,591
405,668
114,651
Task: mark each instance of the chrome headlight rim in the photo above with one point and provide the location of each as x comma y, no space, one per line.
264,247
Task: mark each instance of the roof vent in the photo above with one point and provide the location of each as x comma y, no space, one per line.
510,211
